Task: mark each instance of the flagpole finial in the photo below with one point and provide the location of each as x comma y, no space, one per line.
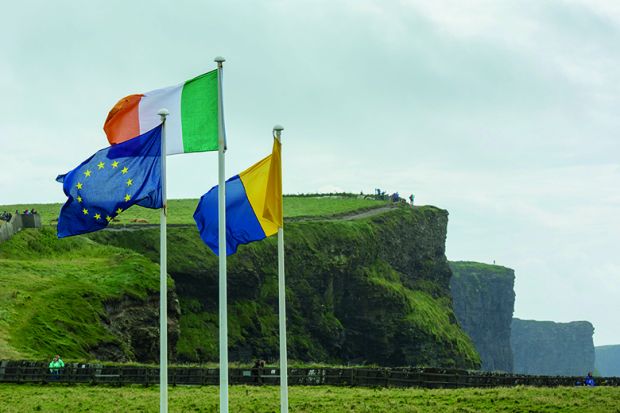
219,60
277,132
163,112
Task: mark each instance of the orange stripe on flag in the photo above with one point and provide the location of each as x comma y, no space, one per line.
123,121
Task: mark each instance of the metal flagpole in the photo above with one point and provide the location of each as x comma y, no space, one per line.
282,307
163,278
222,243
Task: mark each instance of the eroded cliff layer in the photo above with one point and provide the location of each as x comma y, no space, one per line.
548,348
483,297
364,289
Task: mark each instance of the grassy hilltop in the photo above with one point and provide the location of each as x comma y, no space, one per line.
373,289
181,211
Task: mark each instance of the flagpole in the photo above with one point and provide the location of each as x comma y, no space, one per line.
163,278
282,307
223,302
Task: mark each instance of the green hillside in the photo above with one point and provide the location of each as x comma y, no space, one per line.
52,292
367,290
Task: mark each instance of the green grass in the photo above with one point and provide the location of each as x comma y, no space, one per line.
52,292
324,399
181,211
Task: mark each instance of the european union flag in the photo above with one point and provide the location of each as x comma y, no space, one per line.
109,182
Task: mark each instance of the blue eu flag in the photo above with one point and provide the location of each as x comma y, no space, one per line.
109,182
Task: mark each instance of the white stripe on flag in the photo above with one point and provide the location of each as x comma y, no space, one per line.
169,98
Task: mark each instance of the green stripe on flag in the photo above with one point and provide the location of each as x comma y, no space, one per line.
199,113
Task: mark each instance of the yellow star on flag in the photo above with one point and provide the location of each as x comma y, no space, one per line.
108,218
79,185
79,198
124,170
115,164
127,197
97,217
85,211
100,165
87,173
129,182
118,211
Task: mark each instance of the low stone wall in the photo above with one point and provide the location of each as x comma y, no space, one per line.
39,372
17,223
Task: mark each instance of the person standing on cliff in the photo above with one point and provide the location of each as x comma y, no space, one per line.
55,365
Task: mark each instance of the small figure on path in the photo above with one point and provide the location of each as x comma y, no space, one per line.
589,380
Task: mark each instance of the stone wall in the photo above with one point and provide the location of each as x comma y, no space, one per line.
17,223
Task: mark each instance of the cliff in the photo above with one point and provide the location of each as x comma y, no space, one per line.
607,360
548,348
483,297
372,288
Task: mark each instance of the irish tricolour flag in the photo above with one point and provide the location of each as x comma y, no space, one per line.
192,125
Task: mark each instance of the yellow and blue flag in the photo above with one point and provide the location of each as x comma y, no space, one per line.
253,205
109,182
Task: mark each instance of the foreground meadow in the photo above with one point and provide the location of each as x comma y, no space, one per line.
324,399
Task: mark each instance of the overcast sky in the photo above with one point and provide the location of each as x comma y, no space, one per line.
505,113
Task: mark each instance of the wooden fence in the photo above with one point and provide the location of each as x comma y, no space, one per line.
38,372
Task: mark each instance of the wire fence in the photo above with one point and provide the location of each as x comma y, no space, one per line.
38,372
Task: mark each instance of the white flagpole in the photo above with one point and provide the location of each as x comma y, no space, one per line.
222,243
163,278
282,307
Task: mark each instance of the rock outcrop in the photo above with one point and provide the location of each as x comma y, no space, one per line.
483,297
135,325
607,360
548,348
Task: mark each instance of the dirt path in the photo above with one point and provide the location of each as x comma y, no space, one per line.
365,214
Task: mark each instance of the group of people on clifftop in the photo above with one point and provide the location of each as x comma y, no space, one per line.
395,197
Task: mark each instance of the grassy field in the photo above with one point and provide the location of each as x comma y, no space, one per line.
324,399
181,211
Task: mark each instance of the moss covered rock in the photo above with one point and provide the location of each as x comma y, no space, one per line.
370,290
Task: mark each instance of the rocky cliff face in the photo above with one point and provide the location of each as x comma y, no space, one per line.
607,360
484,298
372,290
548,348
135,324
